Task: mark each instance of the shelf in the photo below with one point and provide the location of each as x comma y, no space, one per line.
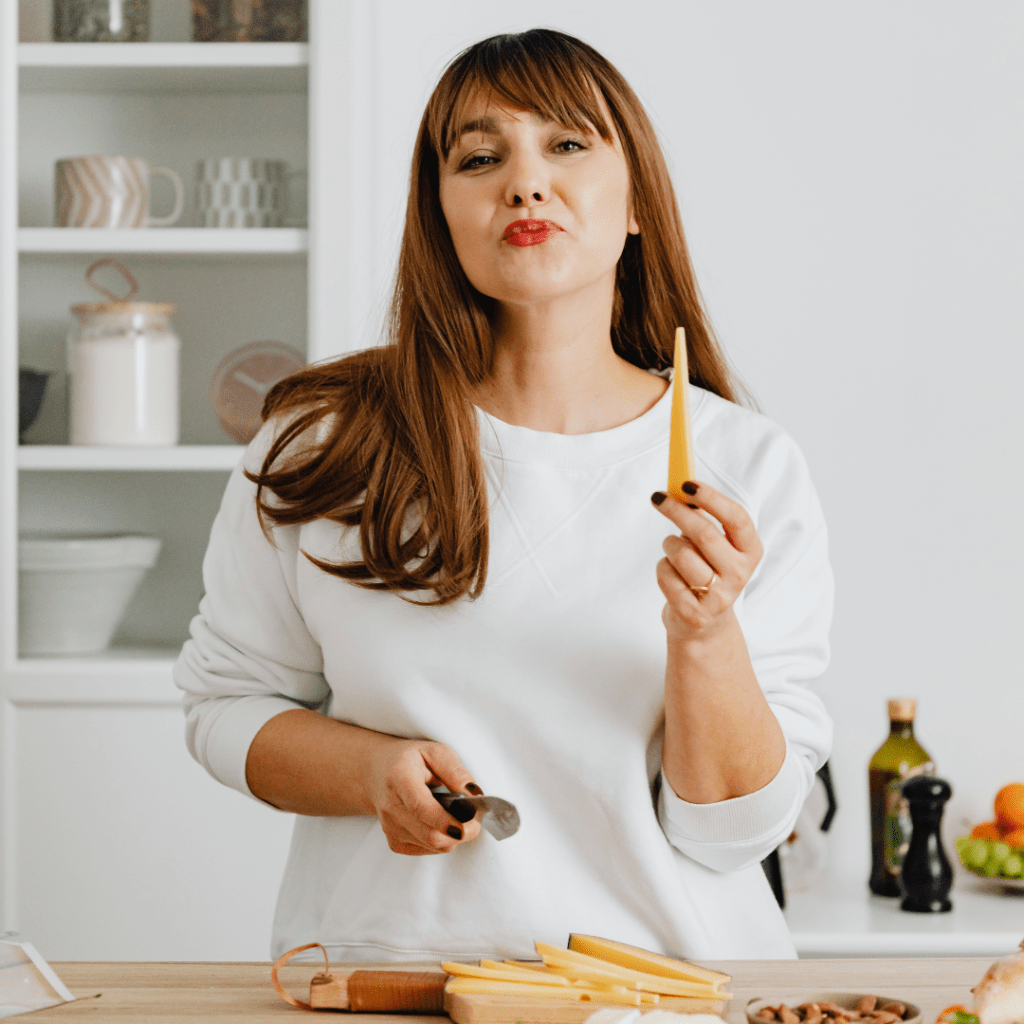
223,457
163,67
165,241
115,676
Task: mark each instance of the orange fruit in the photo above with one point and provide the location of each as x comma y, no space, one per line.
1010,806
1014,838
986,830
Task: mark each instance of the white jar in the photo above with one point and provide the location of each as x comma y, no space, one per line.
123,362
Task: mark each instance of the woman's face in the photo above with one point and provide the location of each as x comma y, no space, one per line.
536,210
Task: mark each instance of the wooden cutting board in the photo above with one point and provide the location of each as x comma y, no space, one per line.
476,1009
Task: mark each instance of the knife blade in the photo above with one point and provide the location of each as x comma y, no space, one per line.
500,817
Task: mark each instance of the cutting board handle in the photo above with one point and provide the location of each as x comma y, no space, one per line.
367,991
281,961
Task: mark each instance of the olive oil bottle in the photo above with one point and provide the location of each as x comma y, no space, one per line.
899,758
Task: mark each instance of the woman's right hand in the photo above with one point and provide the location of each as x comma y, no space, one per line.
402,773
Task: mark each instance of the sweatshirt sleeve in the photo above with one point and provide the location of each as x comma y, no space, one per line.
785,612
250,655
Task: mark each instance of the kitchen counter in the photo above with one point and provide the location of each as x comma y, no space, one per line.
170,993
840,920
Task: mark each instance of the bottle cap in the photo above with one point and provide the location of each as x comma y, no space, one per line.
902,709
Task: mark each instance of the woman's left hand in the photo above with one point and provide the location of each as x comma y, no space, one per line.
702,555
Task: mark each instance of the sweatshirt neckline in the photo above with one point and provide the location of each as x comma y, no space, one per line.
512,443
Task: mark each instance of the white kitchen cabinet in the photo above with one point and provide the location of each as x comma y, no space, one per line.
114,845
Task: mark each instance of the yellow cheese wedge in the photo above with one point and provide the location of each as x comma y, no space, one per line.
572,960
681,464
637,959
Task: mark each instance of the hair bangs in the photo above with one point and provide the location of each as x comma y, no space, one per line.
539,78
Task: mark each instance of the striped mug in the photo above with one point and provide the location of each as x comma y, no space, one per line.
110,192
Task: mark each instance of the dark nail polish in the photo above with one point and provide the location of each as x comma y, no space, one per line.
461,809
658,497
455,832
689,487
474,789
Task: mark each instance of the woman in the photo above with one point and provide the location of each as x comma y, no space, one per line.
443,565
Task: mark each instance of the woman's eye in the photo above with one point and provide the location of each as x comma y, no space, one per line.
480,160
485,159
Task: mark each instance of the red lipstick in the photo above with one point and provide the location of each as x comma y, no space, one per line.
529,232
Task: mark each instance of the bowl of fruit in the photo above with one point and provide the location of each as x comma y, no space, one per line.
995,849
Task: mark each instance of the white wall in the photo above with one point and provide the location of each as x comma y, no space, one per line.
850,182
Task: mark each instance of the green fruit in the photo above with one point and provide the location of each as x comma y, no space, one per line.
1013,866
975,854
998,852
961,843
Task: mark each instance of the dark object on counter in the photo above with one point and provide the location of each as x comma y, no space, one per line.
899,758
926,876
31,387
771,865
248,21
101,21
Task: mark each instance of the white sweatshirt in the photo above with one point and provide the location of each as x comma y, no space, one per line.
549,687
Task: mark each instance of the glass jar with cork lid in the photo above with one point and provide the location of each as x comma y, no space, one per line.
123,363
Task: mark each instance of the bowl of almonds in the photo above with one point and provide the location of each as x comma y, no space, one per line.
832,1008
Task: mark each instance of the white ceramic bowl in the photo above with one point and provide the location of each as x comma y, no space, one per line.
73,590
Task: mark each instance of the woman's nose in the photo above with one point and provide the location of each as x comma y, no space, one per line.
528,182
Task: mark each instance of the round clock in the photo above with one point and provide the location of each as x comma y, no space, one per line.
241,382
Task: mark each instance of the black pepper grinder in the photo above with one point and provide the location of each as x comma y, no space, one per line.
926,876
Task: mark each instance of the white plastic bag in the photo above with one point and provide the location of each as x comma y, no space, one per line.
27,981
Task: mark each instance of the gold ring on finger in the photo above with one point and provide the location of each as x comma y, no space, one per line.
699,592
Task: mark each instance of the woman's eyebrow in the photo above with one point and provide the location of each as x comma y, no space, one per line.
490,126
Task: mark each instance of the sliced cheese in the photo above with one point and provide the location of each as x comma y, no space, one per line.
576,973
681,464
549,993
500,972
526,965
488,987
637,959
571,959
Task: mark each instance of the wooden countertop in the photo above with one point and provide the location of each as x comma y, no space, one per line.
169,993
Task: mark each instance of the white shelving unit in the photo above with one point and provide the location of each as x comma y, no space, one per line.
165,241
159,67
173,102
197,457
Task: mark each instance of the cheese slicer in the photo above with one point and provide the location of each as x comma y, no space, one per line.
500,817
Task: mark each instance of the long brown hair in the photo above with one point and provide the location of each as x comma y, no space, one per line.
397,453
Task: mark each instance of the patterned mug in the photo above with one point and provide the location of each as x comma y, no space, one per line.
242,192
110,192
